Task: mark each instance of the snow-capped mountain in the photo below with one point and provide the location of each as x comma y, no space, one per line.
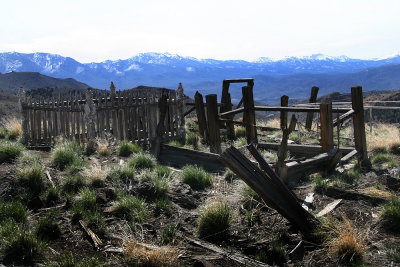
167,70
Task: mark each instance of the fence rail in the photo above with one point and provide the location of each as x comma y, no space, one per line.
126,115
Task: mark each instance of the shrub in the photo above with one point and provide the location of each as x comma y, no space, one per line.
121,173
139,255
95,221
95,176
175,143
347,245
3,132
52,195
13,211
242,141
14,128
250,198
130,208
10,151
196,177
168,234
215,221
65,154
320,185
73,183
32,177
141,161
391,215
23,248
162,204
240,132
28,158
393,251
162,171
385,158
192,139
47,228
125,149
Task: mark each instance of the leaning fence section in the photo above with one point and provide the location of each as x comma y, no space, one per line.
126,115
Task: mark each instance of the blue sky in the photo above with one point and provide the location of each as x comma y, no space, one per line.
98,30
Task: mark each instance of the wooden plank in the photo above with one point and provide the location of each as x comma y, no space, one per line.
179,157
162,107
313,99
326,126
301,150
307,203
213,125
287,109
358,122
283,115
201,116
346,158
343,117
249,116
331,206
39,122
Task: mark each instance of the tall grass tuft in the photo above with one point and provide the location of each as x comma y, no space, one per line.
383,137
141,161
391,215
196,177
13,127
13,211
9,151
23,248
130,208
65,154
125,149
32,177
215,221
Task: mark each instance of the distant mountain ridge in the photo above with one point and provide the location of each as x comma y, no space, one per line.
293,76
11,82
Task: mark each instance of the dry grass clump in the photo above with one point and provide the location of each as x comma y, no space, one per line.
137,254
384,137
348,245
274,123
94,175
103,147
13,127
377,192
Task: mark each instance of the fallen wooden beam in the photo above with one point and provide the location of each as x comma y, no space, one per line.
302,150
179,157
336,192
307,203
328,208
269,187
96,242
327,161
49,178
346,158
236,256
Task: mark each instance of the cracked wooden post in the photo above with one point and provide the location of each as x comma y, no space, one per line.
114,112
280,167
310,115
162,109
213,124
326,126
201,115
90,117
358,122
180,100
24,115
249,115
226,105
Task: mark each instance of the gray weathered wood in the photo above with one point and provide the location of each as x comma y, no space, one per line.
326,126
213,124
310,115
249,115
358,122
201,117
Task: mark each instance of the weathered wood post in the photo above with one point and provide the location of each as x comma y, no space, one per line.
24,113
249,115
201,115
180,100
284,114
226,105
162,110
310,115
358,122
114,112
213,124
326,126
90,117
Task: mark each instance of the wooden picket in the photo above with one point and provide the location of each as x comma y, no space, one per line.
127,115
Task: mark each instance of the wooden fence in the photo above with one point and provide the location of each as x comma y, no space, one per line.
126,115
